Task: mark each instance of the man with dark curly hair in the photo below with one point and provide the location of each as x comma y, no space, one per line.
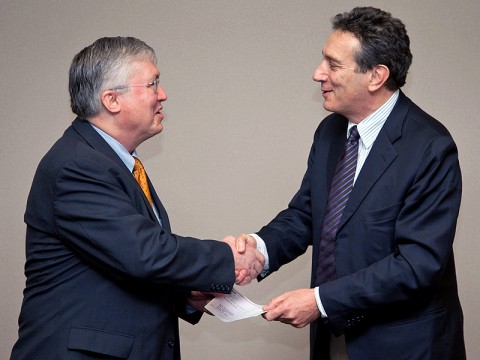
379,204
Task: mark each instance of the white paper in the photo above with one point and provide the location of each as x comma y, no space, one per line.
233,306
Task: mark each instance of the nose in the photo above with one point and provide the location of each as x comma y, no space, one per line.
319,74
161,94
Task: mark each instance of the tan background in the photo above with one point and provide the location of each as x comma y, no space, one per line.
239,123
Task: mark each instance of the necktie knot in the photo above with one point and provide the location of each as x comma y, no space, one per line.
141,176
354,135
138,166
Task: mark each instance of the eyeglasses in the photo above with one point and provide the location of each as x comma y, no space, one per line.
153,83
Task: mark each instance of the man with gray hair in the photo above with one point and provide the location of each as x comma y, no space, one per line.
106,277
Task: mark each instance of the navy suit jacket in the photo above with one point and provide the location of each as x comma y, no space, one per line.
395,296
104,279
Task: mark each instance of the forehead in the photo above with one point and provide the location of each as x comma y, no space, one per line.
143,70
341,46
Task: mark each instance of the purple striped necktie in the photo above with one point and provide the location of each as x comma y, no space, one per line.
342,185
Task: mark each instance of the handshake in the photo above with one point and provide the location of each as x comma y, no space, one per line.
248,260
248,265
297,308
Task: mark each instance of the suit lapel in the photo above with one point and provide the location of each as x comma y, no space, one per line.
87,132
380,157
335,151
162,213
328,149
337,147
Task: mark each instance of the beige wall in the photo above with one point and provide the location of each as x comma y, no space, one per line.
240,118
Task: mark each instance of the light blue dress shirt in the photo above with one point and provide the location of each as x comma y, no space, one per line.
125,156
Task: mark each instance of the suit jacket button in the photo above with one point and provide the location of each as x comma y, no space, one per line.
212,287
171,344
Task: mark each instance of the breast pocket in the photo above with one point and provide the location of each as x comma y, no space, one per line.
378,230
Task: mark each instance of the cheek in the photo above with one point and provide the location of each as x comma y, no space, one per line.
153,105
339,84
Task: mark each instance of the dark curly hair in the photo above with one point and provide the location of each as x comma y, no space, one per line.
383,41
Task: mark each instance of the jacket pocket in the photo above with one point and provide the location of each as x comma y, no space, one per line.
374,233
100,342
433,316
385,215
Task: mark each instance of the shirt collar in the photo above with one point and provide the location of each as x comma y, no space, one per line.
369,127
119,149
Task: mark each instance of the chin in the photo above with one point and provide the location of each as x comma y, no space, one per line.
329,106
154,131
157,127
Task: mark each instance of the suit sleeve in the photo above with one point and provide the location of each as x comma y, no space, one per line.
99,218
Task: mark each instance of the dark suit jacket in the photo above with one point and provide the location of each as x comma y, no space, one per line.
104,279
395,296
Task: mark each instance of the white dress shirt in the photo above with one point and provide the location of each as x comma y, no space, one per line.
368,129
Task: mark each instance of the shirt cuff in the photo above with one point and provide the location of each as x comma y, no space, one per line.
262,248
323,314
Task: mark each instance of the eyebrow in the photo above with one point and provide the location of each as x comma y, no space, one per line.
331,58
157,76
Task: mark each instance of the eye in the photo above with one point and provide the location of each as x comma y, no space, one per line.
333,66
154,83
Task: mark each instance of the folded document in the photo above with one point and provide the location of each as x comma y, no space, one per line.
233,306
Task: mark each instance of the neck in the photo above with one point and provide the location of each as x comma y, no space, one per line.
107,125
374,102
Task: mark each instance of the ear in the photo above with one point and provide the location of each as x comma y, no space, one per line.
110,101
380,74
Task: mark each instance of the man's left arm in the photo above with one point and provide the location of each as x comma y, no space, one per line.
424,233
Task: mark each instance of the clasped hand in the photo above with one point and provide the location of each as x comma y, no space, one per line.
248,265
248,260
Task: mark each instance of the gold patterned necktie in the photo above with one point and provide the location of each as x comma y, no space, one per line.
141,176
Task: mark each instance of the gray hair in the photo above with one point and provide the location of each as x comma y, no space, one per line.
103,65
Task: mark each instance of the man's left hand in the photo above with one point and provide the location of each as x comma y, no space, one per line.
297,308
198,300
